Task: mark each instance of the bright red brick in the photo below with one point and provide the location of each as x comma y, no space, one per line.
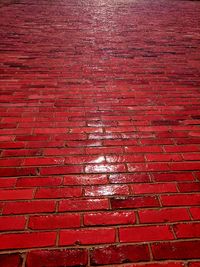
17,172
87,236
27,240
61,170
28,207
87,179
109,218
189,187
7,182
13,162
38,181
54,221
105,168
182,148
163,157
181,200
83,204
59,192
12,223
125,158
129,178
141,167
185,166
195,211
16,194
145,233
106,190
153,188
84,159
103,150
43,161
63,151
176,176
189,230
163,215
142,149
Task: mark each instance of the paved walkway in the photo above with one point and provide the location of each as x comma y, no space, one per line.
100,133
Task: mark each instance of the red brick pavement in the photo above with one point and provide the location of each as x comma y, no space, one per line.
100,136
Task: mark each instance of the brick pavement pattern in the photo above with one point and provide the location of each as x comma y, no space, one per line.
100,133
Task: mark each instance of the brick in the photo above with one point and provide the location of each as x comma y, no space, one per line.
62,192
105,168
62,151
129,178
61,170
17,171
42,137
84,143
176,176
186,166
189,187
7,182
182,148
43,161
189,230
181,200
29,207
119,254
12,145
163,157
11,260
103,150
51,145
195,211
84,159
141,167
54,221
142,149
16,194
145,233
10,162
22,152
27,240
163,215
134,202
124,158
106,190
12,223
161,141
119,142
38,181
163,264
194,264
176,250
87,236
57,258
191,156
83,204
109,218
153,128
153,188
87,179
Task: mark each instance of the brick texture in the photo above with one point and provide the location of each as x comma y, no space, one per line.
99,133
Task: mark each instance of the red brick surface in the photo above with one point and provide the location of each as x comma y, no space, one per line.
99,133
